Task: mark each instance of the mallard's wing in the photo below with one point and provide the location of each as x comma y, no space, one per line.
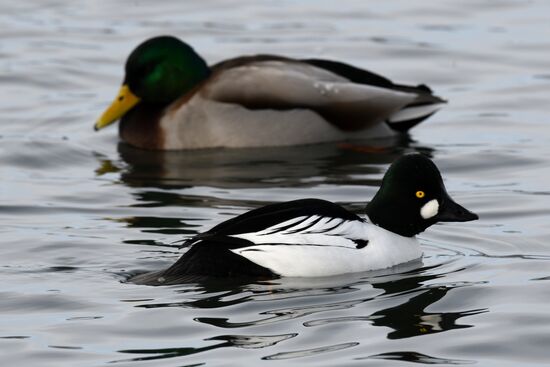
423,106
265,82
348,97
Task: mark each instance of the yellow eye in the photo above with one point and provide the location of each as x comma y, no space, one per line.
420,194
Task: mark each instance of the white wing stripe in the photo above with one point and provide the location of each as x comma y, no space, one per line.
310,222
326,228
282,226
315,230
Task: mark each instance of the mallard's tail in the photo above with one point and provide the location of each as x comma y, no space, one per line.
425,105
412,115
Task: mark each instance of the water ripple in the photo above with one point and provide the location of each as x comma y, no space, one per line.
409,356
237,341
282,314
310,352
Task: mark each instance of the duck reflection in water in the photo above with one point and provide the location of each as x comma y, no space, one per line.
256,167
411,318
407,319
236,341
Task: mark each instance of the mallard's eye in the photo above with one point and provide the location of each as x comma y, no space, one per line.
420,194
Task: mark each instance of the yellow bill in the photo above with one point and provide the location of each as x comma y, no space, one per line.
123,102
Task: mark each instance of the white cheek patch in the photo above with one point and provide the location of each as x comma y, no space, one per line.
429,209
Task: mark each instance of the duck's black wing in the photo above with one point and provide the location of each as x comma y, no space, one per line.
270,215
210,252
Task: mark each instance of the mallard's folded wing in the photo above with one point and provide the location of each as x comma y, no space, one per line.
423,106
285,84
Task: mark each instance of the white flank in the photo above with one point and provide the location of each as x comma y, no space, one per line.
430,209
319,250
415,112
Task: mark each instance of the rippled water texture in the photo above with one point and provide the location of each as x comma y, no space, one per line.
80,213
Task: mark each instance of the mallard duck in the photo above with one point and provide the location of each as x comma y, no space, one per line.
171,99
312,237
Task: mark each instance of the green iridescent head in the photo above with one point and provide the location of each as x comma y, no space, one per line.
158,71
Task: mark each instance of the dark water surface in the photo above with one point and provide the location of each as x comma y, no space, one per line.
80,214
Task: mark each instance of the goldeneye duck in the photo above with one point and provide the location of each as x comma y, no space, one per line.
171,99
312,237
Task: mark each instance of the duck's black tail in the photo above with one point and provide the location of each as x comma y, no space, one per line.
206,259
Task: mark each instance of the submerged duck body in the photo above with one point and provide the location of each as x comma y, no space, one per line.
311,237
172,100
